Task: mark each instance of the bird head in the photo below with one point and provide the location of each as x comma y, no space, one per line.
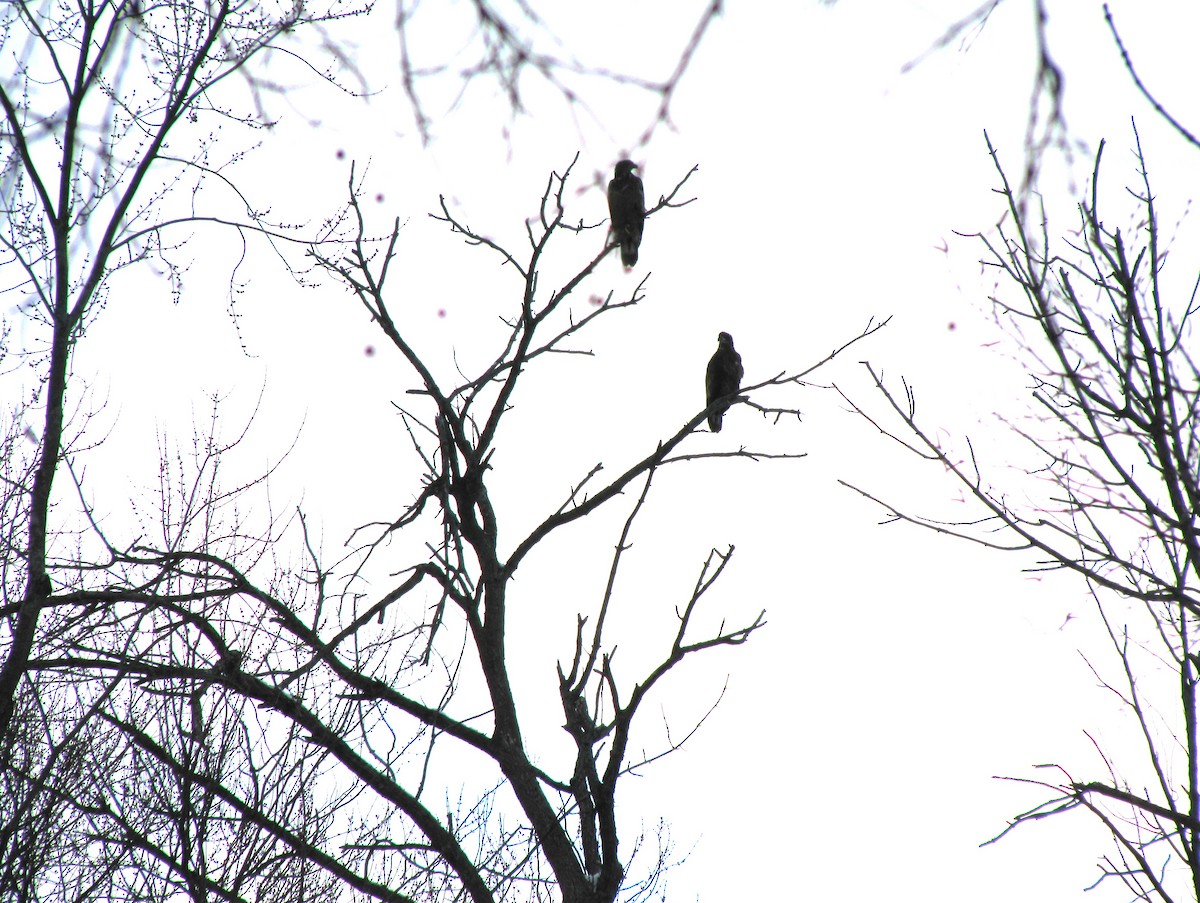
624,168
724,340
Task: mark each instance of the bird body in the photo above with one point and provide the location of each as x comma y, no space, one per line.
724,378
627,210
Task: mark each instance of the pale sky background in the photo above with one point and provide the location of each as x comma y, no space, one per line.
853,755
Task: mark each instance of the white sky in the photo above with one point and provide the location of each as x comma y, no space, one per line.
853,755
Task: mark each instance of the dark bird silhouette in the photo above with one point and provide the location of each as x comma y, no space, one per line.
627,210
724,378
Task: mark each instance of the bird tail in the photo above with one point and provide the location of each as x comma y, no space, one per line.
714,420
629,252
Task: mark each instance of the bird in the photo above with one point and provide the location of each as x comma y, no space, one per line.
627,210
724,378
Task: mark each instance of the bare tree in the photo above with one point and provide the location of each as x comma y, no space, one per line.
196,705
318,711
566,824
90,97
1106,330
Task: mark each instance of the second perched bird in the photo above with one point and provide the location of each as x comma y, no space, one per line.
627,210
724,378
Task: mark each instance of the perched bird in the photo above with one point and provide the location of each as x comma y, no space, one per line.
627,210
724,378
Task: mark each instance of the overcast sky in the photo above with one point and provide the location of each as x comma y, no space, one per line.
853,755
